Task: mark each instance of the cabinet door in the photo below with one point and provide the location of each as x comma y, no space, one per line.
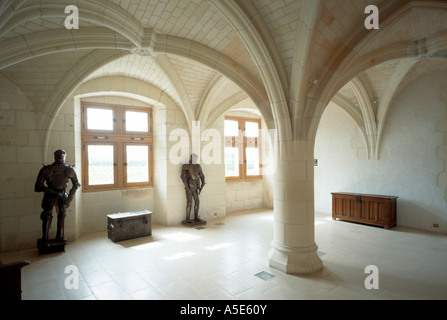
374,210
344,206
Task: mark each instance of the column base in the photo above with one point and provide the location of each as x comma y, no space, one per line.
295,260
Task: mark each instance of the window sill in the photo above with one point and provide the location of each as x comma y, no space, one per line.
254,178
116,189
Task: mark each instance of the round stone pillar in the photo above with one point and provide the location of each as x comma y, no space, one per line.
293,246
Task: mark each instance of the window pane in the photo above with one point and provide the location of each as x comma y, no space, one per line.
231,128
137,121
252,161
251,129
231,162
99,119
100,164
137,164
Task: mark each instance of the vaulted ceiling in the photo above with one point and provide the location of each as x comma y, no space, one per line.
290,57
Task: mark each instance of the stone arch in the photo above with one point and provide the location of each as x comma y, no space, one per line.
133,88
38,44
119,30
351,110
224,106
206,103
309,13
209,112
68,84
410,50
369,118
91,38
19,91
219,62
349,63
171,73
264,52
105,14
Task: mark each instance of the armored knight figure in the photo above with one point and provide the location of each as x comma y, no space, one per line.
194,181
53,180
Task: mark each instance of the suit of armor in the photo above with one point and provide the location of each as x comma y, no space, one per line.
53,180
194,181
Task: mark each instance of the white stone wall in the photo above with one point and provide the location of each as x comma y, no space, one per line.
20,162
244,195
22,156
212,198
442,150
409,166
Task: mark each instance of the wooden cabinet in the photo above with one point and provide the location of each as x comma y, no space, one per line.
364,208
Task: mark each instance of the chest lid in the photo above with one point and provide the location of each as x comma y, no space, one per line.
129,214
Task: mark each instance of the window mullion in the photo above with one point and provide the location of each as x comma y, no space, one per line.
242,152
120,164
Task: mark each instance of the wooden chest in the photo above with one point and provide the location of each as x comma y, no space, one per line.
365,208
129,225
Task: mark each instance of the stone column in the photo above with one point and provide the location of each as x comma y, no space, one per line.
169,191
293,247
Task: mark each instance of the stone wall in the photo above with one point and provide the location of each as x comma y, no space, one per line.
412,163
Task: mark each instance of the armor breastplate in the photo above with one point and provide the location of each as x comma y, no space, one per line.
58,178
193,172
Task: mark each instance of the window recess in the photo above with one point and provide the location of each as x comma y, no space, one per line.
242,148
117,145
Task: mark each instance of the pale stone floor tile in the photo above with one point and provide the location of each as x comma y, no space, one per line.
81,292
131,281
109,291
90,297
149,293
96,277
221,262
179,290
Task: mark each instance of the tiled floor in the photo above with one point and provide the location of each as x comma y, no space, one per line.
228,260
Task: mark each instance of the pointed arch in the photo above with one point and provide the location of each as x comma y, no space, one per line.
22,48
351,110
219,62
369,117
47,42
259,48
69,83
170,72
347,63
401,70
106,14
309,13
224,106
205,106
145,91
